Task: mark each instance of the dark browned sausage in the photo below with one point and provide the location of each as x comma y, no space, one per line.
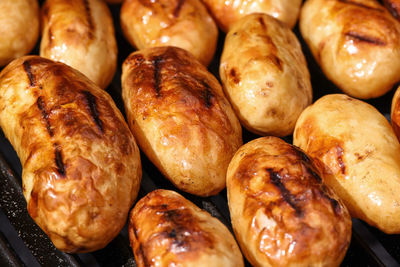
81,165
281,211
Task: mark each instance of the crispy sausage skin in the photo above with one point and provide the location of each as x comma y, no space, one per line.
80,33
227,12
165,229
185,24
281,211
265,75
81,165
356,43
395,113
359,156
180,117
19,29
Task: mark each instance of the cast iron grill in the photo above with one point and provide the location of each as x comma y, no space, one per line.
23,243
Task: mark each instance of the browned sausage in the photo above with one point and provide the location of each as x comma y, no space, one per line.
180,117
281,211
165,229
81,165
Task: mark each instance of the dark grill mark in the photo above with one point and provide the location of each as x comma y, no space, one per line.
91,103
261,21
276,61
392,7
89,18
59,160
45,115
206,94
157,75
50,36
178,8
28,70
360,5
276,180
234,75
339,153
334,203
363,38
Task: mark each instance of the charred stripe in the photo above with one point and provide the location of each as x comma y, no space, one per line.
41,106
276,180
93,111
28,70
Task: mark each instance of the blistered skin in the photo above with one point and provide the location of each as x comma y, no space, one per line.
227,12
281,211
165,229
182,23
180,117
265,75
81,165
356,43
19,29
80,33
359,157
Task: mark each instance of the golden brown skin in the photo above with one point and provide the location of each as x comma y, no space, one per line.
356,43
227,12
165,229
359,157
81,165
265,75
19,29
395,113
180,117
185,24
281,211
80,33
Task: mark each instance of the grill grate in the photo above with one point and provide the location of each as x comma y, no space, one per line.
23,243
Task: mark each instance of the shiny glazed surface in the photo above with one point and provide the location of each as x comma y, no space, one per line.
227,12
165,229
359,157
281,211
185,24
80,33
265,75
81,165
19,29
356,43
395,113
180,117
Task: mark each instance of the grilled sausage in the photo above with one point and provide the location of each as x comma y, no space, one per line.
185,24
165,229
359,156
356,43
282,213
81,165
227,12
19,29
80,33
265,75
178,113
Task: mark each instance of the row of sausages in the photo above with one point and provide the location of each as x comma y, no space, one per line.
81,164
